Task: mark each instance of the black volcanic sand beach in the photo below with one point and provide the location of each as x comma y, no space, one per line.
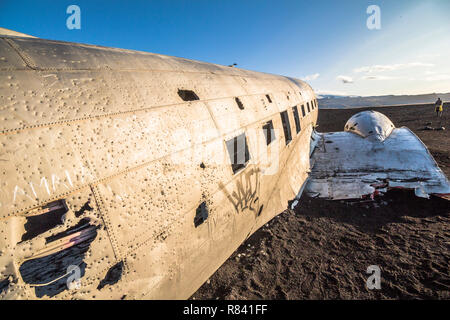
321,250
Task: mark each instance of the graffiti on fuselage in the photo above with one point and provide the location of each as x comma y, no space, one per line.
245,192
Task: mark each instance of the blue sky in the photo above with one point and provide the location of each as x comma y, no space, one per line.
325,42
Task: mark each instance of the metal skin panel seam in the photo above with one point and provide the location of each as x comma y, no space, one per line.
114,114
298,141
106,220
27,59
182,254
55,198
97,181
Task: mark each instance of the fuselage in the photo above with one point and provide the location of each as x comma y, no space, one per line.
151,167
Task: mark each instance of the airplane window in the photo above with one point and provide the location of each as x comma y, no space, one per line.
268,98
307,105
188,95
303,110
297,119
269,133
239,103
286,127
238,152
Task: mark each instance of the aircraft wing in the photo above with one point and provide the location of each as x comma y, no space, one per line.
372,156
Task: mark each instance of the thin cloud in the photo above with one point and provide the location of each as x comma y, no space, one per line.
438,77
391,67
331,93
311,77
320,94
345,79
379,78
430,55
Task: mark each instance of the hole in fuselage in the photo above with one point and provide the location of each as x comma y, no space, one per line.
51,216
4,284
201,214
49,274
113,276
80,226
85,207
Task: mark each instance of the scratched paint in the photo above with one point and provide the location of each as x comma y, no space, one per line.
46,187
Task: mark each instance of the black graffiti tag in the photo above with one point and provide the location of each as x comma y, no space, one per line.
245,195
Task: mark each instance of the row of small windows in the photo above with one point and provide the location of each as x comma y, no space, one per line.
312,105
189,95
238,147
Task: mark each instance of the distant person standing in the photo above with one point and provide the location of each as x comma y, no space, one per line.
439,107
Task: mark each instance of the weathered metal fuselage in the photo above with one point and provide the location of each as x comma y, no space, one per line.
116,167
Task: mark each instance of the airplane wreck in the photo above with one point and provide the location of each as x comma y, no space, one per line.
370,157
132,175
